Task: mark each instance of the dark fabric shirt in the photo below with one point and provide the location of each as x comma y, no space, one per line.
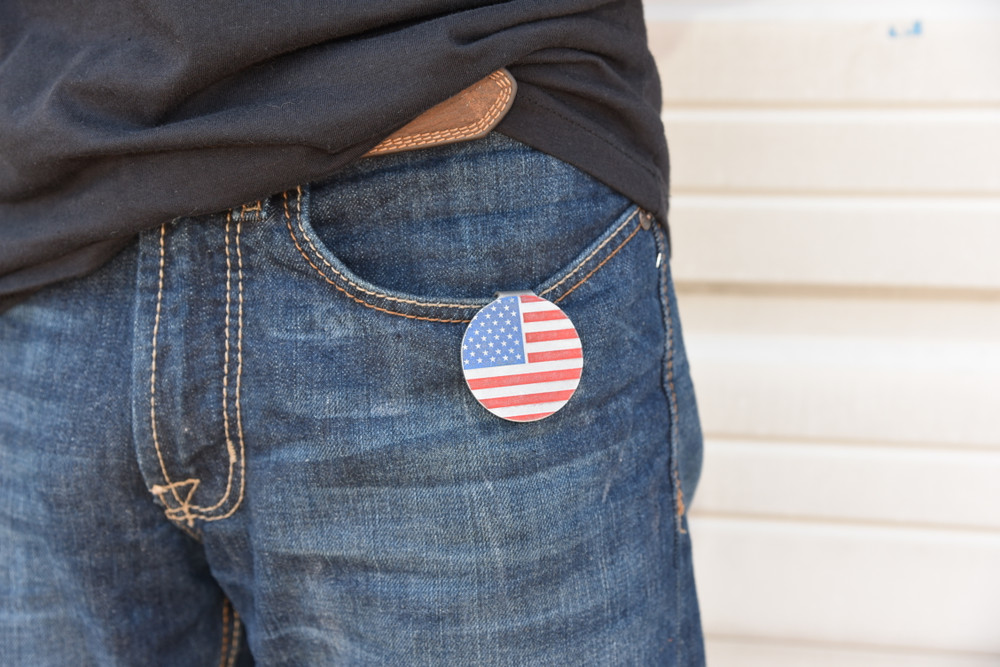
119,115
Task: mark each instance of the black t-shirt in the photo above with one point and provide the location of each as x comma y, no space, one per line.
119,115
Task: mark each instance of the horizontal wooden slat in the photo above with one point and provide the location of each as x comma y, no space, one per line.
733,652
876,370
848,389
906,588
919,486
909,242
835,151
762,311
826,10
902,56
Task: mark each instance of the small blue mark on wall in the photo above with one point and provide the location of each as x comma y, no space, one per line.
914,29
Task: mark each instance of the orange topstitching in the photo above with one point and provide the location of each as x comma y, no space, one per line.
587,258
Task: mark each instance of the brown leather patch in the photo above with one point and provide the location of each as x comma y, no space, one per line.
470,114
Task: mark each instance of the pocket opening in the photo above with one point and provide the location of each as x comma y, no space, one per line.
558,286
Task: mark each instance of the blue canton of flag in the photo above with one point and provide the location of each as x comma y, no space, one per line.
494,338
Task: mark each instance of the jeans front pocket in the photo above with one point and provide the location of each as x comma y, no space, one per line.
399,256
455,223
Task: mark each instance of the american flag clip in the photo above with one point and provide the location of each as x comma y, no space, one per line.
522,357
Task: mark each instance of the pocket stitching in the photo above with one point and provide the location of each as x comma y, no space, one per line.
288,223
588,257
341,282
602,263
298,204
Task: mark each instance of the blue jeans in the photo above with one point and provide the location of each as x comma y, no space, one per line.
249,435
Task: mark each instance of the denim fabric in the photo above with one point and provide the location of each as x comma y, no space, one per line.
249,434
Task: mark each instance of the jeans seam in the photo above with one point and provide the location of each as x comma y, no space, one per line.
587,259
234,645
414,302
152,368
234,458
224,648
677,499
669,389
184,513
205,513
601,264
170,486
345,291
347,282
230,634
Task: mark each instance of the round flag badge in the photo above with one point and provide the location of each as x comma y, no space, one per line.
521,357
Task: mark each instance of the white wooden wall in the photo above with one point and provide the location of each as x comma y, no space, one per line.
836,225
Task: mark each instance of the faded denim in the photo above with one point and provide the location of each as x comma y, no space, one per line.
249,434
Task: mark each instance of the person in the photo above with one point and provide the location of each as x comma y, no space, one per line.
235,424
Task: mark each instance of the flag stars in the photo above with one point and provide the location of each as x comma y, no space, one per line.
492,339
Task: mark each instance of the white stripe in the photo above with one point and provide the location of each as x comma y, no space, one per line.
527,409
515,369
548,325
535,306
521,389
548,345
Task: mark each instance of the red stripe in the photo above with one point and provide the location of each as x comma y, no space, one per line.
530,298
555,355
558,334
545,315
529,418
527,399
525,378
